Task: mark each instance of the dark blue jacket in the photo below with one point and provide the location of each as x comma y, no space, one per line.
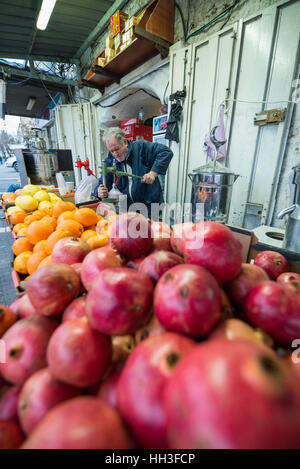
142,157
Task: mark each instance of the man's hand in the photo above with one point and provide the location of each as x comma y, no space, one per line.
149,178
102,192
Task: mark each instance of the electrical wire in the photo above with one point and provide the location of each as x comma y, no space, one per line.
182,18
125,97
164,98
18,82
213,21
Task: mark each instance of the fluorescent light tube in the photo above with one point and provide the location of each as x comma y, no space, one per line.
30,104
45,13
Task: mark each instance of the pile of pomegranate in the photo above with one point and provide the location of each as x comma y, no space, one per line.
162,339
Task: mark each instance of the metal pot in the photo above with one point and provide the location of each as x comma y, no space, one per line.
212,187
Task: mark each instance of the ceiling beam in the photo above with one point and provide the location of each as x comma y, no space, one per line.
32,74
40,58
99,28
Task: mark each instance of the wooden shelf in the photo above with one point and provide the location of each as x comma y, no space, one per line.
158,19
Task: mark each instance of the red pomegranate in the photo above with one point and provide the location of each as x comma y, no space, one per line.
156,264
77,354
11,436
70,250
187,299
120,301
7,319
51,288
161,236
25,308
232,395
14,306
39,394
26,344
108,390
131,235
272,262
291,280
178,236
213,246
275,309
76,309
240,286
96,261
142,382
9,403
153,327
81,423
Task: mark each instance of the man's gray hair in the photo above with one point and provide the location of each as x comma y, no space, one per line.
114,132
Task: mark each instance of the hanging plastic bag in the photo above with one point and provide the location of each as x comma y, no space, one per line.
61,184
85,189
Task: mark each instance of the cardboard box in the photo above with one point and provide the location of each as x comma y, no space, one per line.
133,21
109,42
117,41
117,23
109,53
129,36
101,61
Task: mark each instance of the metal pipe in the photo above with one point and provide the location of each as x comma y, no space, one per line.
286,211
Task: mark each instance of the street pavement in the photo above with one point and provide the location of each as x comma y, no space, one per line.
8,176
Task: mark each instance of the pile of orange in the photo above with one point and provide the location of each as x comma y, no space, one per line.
38,232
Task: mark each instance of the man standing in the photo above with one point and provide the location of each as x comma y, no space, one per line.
141,158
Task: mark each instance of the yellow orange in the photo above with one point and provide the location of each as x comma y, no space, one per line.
45,261
68,215
46,207
87,234
21,245
71,206
35,260
17,217
51,220
39,230
59,208
20,262
73,226
40,246
86,216
97,241
18,226
23,231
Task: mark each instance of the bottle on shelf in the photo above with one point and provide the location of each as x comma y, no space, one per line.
141,115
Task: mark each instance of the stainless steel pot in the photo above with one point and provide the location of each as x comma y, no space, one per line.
212,187
292,232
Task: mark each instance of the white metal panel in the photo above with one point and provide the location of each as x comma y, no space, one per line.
179,77
279,88
258,66
76,132
211,75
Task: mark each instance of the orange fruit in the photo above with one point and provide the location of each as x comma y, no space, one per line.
51,220
35,260
18,226
23,231
39,230
40,246
101,226
45,261
20,262
86,216
17,217
71,206
7,319
87,234
18,192
97,241
54,237
93,228
68,215
59,208
73,226
21,245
